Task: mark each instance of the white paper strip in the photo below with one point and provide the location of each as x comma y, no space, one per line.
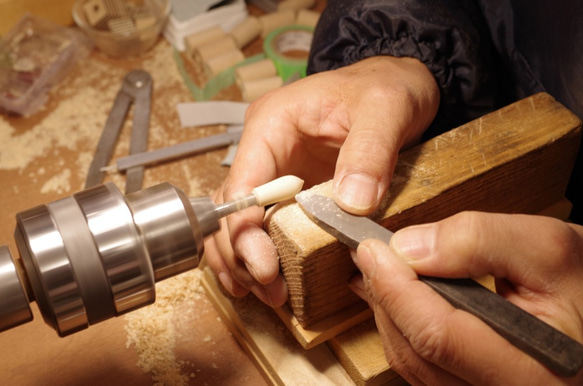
211,113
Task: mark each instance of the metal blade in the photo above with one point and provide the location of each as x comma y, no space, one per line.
347,228
544,343
108,139
139,83
136,88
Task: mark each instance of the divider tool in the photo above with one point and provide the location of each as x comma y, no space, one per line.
137,89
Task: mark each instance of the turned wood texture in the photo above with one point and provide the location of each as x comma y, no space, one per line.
515,160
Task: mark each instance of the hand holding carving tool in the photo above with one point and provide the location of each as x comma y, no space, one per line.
544,343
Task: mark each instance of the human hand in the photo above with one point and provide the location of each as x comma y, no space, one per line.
537,263
348,123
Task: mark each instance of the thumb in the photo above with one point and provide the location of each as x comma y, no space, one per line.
527,250
365,165
384,113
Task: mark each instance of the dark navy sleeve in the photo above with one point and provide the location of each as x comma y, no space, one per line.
451,37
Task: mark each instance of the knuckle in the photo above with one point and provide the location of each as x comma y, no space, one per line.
241,274
404,363
467,230
436,344
566,242
395,97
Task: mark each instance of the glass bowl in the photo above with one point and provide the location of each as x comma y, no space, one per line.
122,27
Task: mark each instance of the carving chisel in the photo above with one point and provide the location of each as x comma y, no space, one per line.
552,348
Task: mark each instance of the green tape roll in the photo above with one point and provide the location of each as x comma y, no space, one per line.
289,47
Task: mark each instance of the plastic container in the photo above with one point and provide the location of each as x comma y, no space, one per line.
122,27
34,56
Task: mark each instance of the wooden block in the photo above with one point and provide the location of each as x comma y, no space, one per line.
515,160
95,12
116,8
144,20
361,353
121,25
203,37
325,329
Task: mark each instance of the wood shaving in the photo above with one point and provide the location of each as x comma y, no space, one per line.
76,120
58,183
151,330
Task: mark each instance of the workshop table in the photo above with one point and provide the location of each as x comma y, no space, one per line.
46,157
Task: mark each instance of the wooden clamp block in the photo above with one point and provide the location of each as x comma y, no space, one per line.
515,160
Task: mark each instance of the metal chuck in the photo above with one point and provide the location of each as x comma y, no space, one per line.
97,254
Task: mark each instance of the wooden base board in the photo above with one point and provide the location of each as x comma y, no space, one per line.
270,345
360,351
326,329
283,361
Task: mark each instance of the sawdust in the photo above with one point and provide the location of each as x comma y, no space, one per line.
73,120
76,120
162,68
194,185
151,330
59,183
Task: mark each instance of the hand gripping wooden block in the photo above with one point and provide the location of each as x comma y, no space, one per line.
515,160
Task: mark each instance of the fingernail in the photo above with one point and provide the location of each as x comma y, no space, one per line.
366,260
356,284
353,255
414,243
262,294
225,281
358,191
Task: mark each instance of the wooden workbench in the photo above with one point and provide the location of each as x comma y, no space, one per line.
46,157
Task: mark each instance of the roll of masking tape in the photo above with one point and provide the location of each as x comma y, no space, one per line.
289,48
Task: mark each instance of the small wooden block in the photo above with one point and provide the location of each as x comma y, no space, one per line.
121,25
95,12
515,160
326,329
144,20
116,7
361,353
